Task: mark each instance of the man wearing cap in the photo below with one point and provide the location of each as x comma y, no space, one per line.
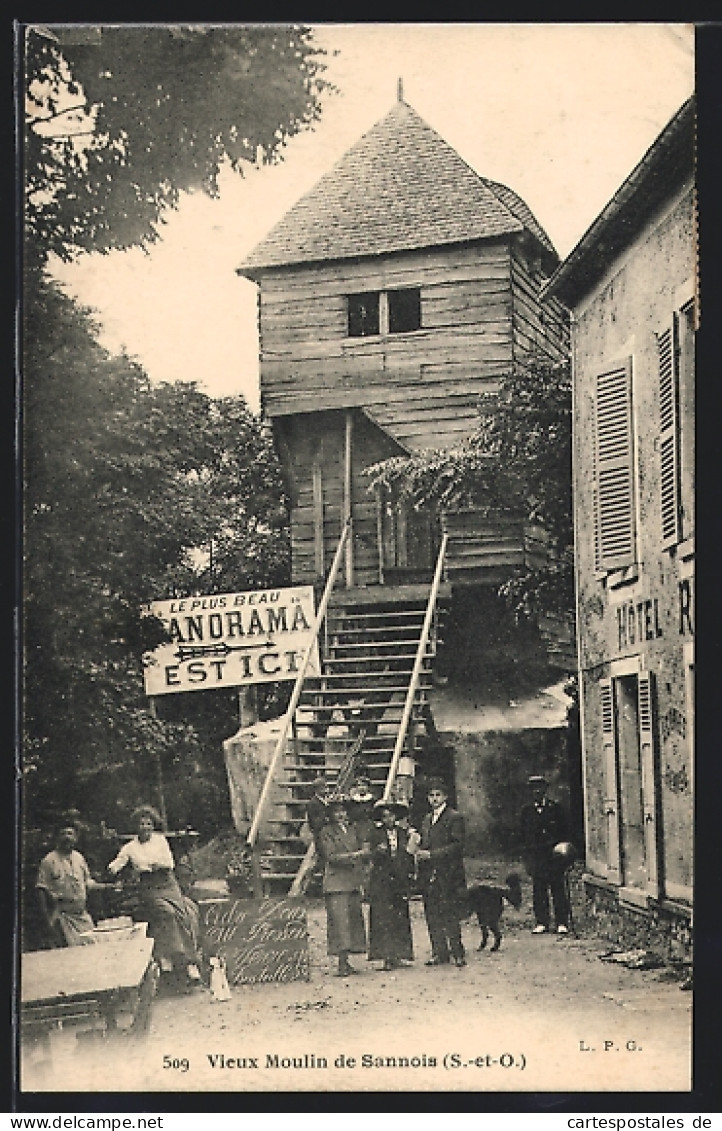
543,825
441,876
317,811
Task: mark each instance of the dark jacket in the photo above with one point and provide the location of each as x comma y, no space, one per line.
316,815
390,874
445,841
541,827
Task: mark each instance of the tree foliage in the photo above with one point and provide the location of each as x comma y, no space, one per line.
128,486
121,119
518,460
134,491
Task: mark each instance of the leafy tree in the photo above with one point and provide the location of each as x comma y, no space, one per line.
121,119
518,460
133,491
124,484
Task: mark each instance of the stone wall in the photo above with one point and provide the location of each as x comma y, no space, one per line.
664,928
491,771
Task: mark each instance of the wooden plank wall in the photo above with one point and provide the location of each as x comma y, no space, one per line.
537,326
321,438
480,543
423,386
480,309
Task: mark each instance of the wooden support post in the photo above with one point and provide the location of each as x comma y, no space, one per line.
318,538
402,534
248,705
347,495
380,497
159,773
256,875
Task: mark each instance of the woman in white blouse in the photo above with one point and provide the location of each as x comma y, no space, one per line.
172,918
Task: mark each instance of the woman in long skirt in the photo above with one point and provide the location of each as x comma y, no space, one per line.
389,889
172,917
344,853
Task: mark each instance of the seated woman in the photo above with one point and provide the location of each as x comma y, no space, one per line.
172,918
391,876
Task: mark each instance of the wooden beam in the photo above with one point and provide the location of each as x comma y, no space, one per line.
379,492
318,546
347,495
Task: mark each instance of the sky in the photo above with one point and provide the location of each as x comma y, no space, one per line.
561,113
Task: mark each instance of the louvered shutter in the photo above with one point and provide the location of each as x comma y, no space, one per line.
611,778
615,478
669,435
650,780
599,570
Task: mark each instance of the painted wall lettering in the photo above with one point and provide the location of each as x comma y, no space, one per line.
638,621
686,613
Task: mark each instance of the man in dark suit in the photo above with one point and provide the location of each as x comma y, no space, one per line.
441,876
543,825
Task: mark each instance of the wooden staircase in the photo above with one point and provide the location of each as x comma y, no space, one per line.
348,717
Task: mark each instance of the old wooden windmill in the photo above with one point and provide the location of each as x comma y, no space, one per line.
391,296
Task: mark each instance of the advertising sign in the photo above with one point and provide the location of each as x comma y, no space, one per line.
262,940
231,640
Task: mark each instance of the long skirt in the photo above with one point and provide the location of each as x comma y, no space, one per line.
345,930
390,927
172,918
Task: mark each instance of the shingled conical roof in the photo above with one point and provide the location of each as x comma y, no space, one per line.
400,187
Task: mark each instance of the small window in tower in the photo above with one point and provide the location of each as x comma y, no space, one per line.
404,310
363,314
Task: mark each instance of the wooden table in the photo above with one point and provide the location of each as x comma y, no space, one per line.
106,987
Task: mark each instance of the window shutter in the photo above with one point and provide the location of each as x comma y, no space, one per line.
669,435
615,497
611,779
650,780
599,570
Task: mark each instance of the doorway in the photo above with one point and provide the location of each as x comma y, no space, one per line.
633,854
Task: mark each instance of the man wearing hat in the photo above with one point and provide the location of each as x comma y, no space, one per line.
317,811
543,825
441,876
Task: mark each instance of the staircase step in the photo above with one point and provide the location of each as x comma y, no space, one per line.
336,678
356,691
374,644
335,661
379,607
282,857
301,784
374,631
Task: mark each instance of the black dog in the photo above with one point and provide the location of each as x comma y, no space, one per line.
486,902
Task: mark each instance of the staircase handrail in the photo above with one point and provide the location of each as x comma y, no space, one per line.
416,671
298,687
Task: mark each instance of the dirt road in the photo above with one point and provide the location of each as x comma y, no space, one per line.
542,1014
